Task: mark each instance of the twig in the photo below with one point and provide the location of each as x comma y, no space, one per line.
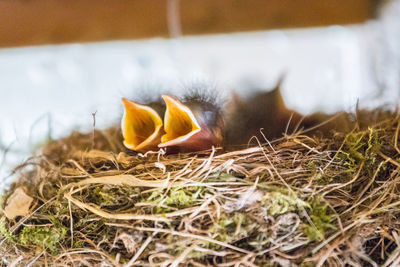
94,127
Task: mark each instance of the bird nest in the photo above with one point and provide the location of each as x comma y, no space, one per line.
295,201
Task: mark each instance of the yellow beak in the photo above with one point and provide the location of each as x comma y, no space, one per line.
180,123
141,127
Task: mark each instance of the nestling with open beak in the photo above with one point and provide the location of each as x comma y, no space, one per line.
142,126
192,125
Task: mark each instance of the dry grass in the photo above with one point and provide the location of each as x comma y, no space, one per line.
297,201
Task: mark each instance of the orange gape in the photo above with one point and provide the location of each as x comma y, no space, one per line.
141,127
185,129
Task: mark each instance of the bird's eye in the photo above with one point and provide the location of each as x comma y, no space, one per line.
210,117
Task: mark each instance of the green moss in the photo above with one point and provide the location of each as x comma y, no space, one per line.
57,209
232,227
374,144
312,167
89,224
177,197
111,195
5,232
316,174
307,264
78,243
49,190
360,147
91,227
222,176
105,197
280,203
260,241
43,236
321,222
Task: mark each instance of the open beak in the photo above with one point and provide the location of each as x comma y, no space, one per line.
141,127
182,128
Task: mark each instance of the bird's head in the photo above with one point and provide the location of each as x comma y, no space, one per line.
192,125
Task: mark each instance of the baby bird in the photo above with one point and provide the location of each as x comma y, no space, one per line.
263,111
193,124
265,115
141,126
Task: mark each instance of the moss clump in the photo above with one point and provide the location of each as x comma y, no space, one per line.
176,197
316,174
280,203
321,222
232,227
108,196
5,232
57,209
307,264
43,237
181,199
360,147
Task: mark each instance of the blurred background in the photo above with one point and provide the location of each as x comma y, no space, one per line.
62,61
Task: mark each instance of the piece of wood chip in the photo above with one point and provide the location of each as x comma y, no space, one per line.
18,204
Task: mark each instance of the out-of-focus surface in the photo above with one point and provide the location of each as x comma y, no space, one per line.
50,90
36,22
